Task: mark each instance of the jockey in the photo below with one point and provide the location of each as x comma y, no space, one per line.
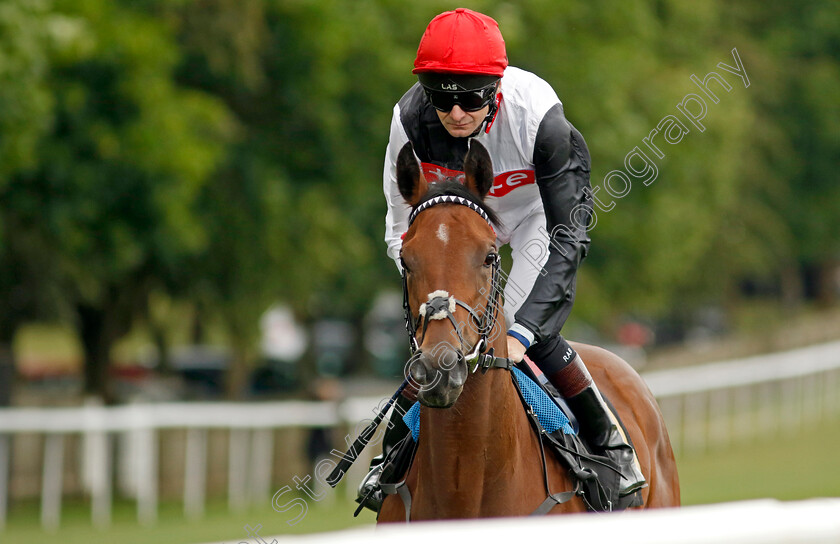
466,90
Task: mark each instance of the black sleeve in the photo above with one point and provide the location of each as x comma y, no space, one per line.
562,166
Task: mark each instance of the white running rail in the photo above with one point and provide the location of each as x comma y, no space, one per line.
766,521
706,406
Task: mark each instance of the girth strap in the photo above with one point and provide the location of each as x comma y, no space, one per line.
550,502
405,495
553,500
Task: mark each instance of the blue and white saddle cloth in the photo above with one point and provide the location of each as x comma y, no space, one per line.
551,417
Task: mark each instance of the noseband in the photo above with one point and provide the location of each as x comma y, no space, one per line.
441,305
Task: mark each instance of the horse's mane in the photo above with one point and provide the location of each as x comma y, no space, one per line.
454,188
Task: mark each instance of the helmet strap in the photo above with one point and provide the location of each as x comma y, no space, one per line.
491,114
490,117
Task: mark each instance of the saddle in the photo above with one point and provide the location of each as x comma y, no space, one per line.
596,478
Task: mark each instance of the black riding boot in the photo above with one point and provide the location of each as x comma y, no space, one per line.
370,494
599,426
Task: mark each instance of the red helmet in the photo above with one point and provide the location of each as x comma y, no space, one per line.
462,42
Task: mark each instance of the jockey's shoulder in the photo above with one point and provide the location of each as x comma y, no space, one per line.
523,89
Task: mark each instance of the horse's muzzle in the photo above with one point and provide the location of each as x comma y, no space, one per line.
440,374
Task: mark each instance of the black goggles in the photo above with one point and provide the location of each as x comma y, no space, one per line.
468,100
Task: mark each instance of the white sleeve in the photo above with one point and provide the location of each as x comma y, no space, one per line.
396,218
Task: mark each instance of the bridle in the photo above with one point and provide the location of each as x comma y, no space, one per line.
441,305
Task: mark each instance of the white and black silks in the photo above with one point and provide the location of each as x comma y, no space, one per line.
541,193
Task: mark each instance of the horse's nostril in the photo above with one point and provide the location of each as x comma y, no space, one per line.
418,372
457,376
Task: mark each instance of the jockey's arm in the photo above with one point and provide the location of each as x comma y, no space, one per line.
396,218
562,166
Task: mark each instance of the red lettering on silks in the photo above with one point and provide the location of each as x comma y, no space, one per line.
434,173
508,181
502,184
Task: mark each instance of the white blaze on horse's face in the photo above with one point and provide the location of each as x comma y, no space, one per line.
443,233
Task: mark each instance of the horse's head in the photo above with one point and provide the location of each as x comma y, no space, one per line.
450,266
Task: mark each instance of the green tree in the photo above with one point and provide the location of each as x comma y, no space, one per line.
27,33
111,192
803,43
313,91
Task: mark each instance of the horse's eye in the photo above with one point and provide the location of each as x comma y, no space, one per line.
491,258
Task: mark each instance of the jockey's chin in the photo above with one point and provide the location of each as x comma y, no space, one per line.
461,124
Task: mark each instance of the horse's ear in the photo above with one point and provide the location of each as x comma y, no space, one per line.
478,170
410,181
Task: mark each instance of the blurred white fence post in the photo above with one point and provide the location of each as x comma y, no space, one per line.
262,445
96,461
52,481
695,422
195,472
779,379
147,480
5,458
830,392
719,428
810,401
743,418
237,469
768,419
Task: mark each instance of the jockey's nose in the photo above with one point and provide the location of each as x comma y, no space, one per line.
457,113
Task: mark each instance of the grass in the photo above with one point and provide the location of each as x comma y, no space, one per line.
796,468
218,525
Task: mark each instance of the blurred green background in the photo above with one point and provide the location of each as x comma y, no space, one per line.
170,169
186,185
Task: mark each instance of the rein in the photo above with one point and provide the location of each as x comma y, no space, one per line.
441,305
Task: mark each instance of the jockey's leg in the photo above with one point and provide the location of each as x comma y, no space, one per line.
370,493
598,424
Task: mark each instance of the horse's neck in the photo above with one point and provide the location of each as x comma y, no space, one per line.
485,408
482,417
469,451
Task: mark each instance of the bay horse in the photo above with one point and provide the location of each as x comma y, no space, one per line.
478,455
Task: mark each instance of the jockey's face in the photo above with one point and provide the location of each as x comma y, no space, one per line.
460,123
